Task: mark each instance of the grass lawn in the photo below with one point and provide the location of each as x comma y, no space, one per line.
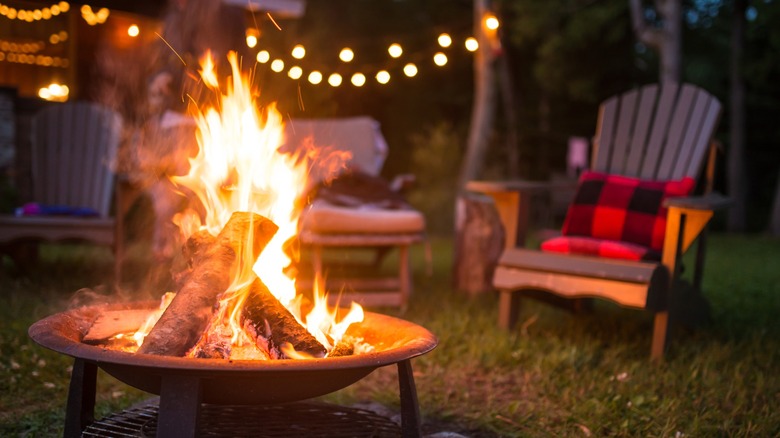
556,374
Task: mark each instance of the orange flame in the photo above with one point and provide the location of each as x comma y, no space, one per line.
239,168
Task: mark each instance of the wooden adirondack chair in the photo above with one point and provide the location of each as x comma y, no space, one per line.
656,132
326,226
73,150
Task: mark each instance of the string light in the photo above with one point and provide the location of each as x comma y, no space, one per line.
346,54
334,80
491,22
295,72
91,17
410,70
440,59
445,40
54,92
383,77
395,50
298,52
358,79
252,35
133,30
277,65
315,77
30,15
472,45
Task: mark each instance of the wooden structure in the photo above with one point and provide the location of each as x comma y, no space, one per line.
73,150
343,229
656,132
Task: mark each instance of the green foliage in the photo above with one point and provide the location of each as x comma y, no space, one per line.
435,162
574,47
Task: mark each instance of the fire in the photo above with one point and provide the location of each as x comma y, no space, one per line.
239,167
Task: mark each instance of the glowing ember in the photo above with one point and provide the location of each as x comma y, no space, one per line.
239,168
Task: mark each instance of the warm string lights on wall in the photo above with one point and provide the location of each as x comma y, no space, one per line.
280,63
94,18
30,15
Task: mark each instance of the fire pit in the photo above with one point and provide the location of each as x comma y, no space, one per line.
235,289
183,384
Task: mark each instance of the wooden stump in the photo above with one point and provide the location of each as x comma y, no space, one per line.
479,242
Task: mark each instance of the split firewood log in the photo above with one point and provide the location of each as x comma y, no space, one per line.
271,320
212,265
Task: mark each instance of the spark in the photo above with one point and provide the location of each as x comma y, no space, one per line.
172,49
273,21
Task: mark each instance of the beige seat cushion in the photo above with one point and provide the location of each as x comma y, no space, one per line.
323,217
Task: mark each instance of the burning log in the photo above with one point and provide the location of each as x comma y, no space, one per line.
213,262
270,319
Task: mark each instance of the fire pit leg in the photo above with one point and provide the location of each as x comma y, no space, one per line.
80,411
410,408
179,406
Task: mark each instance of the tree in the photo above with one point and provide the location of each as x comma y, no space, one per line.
666,39
484,105
736,150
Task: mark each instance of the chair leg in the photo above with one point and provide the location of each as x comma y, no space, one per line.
508,309
660,329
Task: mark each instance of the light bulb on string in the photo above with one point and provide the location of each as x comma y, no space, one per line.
358,79
383,77
395,50
277,65
334,80
263,56
410,70
298,52
445,40
295,72
315,77
472,45
440,59
491,22
346,54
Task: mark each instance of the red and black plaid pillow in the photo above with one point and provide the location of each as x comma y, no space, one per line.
620,208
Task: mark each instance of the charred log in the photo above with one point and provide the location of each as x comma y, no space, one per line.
270,319
212,263
343,348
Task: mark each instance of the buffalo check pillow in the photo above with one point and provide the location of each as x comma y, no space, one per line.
622,209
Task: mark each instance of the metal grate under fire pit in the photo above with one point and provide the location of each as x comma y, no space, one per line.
294,419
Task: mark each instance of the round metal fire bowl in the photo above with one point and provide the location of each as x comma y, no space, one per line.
238,381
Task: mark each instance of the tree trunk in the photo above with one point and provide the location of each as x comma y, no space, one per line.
736,152
666,40
509,101
483,109
479,242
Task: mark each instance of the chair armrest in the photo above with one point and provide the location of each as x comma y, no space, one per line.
711,201
512,198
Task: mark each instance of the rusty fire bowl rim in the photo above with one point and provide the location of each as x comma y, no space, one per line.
62,332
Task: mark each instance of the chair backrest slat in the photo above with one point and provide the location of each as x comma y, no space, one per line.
625,124
605,130
639,138
74,147
659,129
655,132
677,130
702,142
